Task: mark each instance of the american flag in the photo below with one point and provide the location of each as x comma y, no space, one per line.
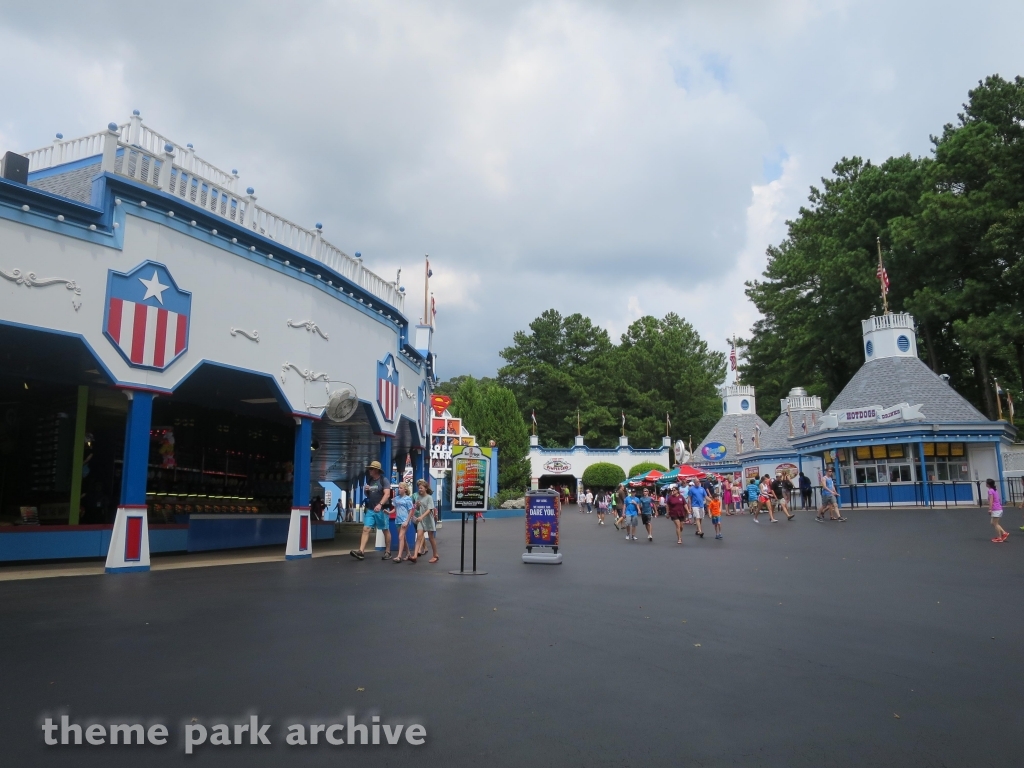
533,417
732,357
883,276
387,387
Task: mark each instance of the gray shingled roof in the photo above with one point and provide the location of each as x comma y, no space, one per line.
893,380
74,185
722,433
778,433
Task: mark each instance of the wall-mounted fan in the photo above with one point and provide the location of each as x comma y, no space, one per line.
682,455
341,404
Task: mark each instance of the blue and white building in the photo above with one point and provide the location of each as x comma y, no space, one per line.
898,433
739,431
565,466
774,452
180,365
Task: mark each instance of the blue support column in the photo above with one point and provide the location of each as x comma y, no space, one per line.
418,466
837,470
129,540
300,531
301,461
925,491
999,468
386,460
136,449
494,470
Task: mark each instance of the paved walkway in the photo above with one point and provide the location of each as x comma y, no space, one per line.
339,546
893,639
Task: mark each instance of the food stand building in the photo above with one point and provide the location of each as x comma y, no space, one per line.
899,434
738,431
799,415
180,365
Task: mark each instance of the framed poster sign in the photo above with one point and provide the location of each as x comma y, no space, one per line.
471,478
542,513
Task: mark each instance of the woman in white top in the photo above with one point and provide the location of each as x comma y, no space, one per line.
423,515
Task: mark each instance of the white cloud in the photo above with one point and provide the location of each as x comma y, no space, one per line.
600,157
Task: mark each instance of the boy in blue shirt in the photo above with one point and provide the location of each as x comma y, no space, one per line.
632,511
697,498
646,513
753,491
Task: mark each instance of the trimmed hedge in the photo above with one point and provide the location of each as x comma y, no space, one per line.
645,466
603,475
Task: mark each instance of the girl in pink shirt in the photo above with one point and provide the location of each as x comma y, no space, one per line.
995,510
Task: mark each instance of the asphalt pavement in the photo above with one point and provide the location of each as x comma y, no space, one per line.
893,639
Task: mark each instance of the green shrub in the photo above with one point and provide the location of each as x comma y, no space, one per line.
645,466
603,475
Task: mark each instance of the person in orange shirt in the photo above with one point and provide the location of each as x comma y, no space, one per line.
715,512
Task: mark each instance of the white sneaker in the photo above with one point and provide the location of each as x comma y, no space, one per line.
629,538
650,538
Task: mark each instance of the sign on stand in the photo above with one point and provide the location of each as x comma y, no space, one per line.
543,513
471,481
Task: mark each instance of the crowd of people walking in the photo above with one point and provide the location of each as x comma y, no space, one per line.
707,500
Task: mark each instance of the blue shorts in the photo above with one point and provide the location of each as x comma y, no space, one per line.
378,520
715,519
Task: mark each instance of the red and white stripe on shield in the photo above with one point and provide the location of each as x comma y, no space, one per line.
387,396
147,335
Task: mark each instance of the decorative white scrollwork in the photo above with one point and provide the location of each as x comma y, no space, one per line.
309,325
408,394
254,336
30,280
305,373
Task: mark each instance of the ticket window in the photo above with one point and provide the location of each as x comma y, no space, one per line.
946,462
874,464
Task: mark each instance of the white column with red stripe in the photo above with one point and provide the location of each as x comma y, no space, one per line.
300,527
129,540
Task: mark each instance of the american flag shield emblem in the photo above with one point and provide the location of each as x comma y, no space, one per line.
423,409
147,316
387,387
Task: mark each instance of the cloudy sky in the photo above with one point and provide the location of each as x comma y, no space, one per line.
610,158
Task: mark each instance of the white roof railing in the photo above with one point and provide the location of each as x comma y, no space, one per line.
137,152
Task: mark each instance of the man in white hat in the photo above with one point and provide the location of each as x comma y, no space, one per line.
377,491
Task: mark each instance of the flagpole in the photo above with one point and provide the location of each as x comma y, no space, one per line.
881,277
426,290
999,402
